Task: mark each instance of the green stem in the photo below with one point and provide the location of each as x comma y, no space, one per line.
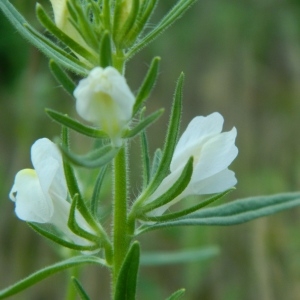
121,240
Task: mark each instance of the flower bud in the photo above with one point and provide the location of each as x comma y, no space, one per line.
61,18
105,99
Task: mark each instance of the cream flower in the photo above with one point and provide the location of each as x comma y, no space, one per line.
105,99
40,195
212,150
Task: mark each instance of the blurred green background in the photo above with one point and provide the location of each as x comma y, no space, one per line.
242,59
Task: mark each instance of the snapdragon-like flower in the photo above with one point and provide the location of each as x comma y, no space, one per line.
105,99
212,150
40,194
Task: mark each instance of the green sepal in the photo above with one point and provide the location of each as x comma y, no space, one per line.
62,77
49,235
235,212
105,51
73,225
106,14
143,124
155,162
46,21
140,23
178,257
48,271
81,20
147,85
177,295
127,279
145,155
175,13
71,179
67,121
176,189
79,288
189,210
120,31
44,45
96,192
94,159
96,12
87,215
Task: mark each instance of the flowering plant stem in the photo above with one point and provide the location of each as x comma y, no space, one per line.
121,240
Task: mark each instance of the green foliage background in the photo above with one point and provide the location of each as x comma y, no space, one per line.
241,58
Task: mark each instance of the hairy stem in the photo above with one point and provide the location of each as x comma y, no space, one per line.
121,240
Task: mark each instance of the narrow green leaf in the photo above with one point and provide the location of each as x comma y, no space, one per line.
75,125
79,288
96,192
156,161
48,271
145,156
147,84
117,17
235,212
71,179
189,210
175,13
171,140
62,77
49,235
46,46
177,295
105,51
106,14
144,124
85,212
178,257
121,32
176,189
95,159
141,21
169,147
73,225
46,21
126,282
83,23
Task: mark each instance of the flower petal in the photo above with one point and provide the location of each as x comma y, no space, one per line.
47,162
31,203
216,155
197,132
217,183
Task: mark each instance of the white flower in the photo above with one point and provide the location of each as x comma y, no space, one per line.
105,99
40,195
212,150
